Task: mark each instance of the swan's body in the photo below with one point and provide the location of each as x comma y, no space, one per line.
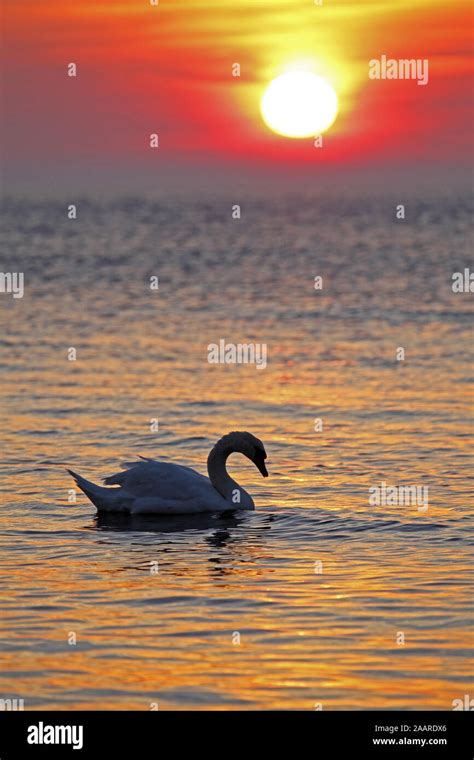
152,487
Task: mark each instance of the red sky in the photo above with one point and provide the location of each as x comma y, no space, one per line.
168,69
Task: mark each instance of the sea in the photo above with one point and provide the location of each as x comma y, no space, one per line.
324,597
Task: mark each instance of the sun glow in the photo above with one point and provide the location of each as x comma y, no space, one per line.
299,104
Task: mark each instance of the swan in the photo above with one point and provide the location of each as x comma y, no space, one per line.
163,488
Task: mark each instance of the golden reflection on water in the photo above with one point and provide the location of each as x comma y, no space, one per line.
133,645
305,637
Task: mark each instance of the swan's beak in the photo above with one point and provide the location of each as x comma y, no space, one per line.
259,461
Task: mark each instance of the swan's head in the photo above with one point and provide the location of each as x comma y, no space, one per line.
249,446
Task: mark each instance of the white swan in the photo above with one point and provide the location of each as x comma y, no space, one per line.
151,487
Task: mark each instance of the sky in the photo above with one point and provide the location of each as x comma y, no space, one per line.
167,69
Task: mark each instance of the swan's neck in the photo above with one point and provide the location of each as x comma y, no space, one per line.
218,475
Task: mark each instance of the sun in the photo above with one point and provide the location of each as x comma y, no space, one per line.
299,104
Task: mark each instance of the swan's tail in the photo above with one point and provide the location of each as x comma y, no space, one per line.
105,499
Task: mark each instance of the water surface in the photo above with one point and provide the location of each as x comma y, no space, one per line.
317,585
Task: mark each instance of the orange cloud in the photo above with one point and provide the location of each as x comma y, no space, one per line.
167,69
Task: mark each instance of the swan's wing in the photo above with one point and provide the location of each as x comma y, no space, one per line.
160,479
129,465
119,478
